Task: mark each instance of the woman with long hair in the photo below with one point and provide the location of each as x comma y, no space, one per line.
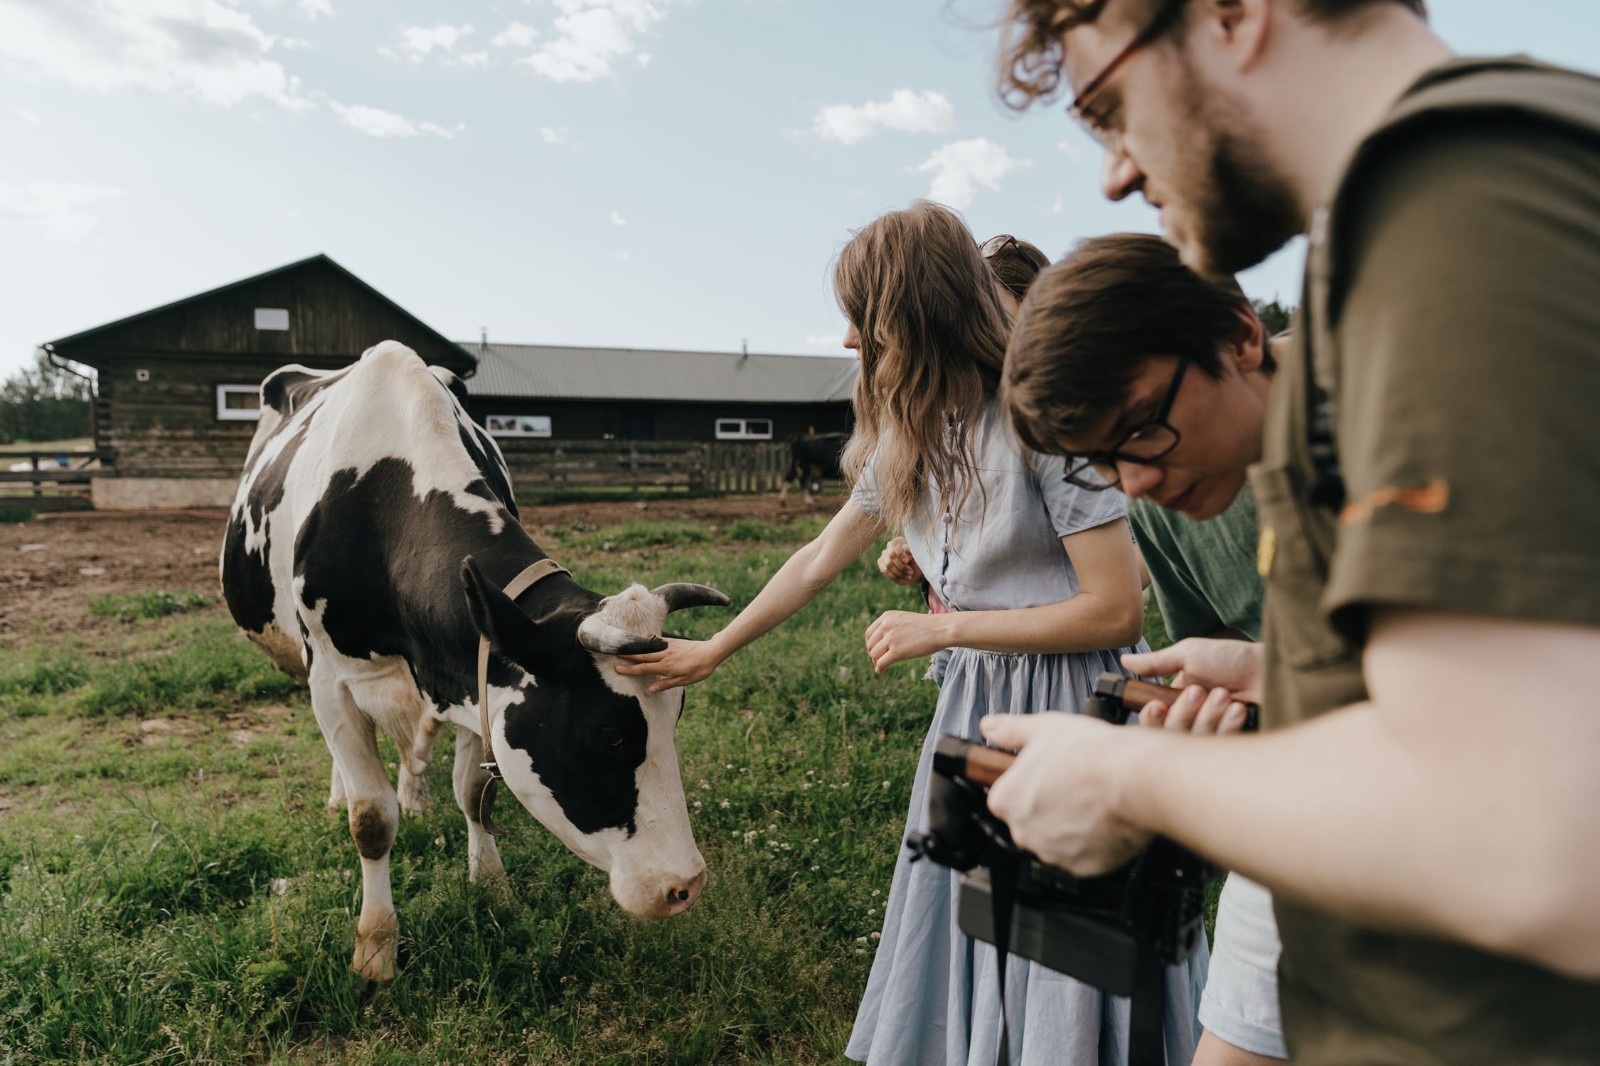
1041,581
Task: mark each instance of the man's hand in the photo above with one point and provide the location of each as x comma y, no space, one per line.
1197,711
898,635
897,565
683,663
1059,797
1231,664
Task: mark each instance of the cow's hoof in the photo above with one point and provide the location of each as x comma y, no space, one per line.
412,793
488,871
374,957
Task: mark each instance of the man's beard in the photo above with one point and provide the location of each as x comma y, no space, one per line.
1242,210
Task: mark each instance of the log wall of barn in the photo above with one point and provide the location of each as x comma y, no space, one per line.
168,426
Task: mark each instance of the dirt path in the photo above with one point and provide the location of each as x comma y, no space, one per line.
50,569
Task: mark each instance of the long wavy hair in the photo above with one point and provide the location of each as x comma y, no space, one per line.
933,345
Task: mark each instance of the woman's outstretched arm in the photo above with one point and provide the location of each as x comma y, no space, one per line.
797,582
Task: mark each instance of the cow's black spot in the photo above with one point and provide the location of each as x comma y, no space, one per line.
387,566
586,743
246,575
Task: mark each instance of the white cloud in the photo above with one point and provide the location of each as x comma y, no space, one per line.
375,122
592,35
622,255
312,9
59,209
617,219
419,41
474,59
200,48
28,115
960,167
909,112
516,35
1059,206
553,134
825,340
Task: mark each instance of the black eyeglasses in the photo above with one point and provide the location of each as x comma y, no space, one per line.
1145,444
1099,126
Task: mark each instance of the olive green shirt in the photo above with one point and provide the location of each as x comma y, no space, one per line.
1453,316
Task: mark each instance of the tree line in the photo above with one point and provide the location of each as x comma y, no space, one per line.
44,402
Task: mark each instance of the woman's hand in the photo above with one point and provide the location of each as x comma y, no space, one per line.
683,663
897,565
898,635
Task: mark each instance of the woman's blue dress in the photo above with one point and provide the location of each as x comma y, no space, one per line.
932,998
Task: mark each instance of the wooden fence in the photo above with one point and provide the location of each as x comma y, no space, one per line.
49,481
697,467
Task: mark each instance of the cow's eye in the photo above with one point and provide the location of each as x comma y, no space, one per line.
611,737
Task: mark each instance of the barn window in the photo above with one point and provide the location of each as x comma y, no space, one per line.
744,429
272,318
518,425
239,403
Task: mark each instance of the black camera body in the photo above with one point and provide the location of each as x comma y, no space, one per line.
1116,931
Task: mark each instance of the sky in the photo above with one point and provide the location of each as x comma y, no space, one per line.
632,173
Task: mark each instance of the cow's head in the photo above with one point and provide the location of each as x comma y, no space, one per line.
588,751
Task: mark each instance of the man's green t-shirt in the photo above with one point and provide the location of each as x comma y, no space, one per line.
1204,573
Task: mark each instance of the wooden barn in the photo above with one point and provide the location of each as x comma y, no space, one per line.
178,390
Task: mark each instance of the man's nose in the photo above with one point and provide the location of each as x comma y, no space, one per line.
1120,177
1138,479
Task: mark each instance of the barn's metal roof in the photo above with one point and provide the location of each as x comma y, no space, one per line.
551,371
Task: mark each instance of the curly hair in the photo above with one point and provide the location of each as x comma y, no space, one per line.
1032,31
933,342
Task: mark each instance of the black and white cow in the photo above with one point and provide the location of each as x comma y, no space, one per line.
812,458
371,535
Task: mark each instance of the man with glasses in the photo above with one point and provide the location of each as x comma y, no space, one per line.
1422,802
1120,342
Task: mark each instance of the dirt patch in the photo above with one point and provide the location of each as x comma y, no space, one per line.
50,570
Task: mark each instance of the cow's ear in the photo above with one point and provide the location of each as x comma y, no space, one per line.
509,629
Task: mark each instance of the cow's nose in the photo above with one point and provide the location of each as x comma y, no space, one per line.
681,897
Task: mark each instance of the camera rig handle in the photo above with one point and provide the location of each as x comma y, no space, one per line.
1116,697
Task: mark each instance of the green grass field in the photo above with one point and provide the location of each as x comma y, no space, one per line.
172,890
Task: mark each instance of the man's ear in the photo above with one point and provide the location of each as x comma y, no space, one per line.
511,633
1249,343
1238,26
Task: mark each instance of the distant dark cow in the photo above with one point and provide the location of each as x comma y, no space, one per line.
373,531
813,457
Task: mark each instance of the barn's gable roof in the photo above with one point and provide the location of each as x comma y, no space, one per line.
548,371
332,317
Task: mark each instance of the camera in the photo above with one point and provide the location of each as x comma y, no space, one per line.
1116,931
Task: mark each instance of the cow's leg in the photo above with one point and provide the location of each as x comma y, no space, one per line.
483,854
374,815
335,789
412,787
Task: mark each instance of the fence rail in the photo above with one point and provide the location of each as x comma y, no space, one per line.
697,467
46,480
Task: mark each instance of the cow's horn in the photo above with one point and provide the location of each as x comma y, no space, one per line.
681,594
601,636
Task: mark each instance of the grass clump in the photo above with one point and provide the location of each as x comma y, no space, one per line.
157,603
